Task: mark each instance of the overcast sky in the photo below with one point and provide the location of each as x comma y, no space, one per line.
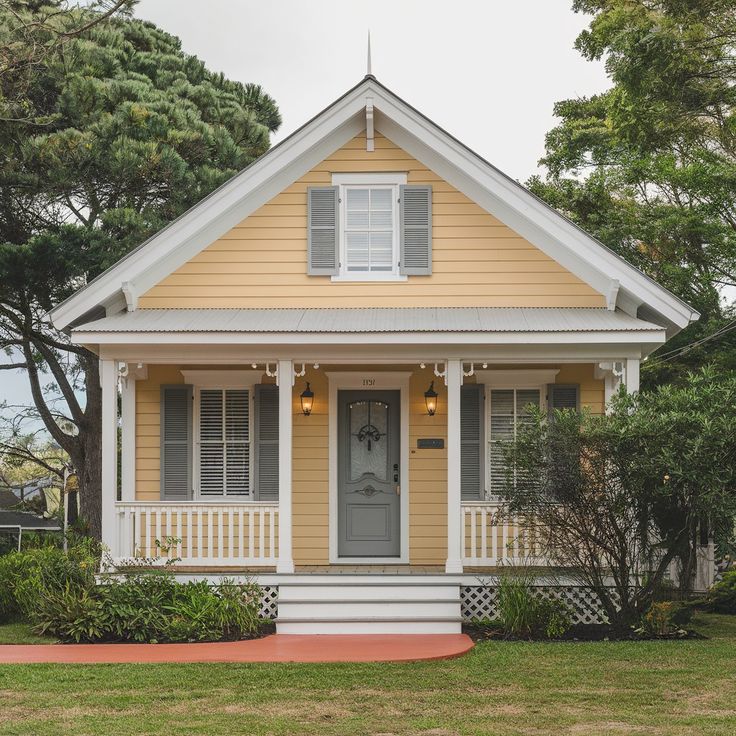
488,71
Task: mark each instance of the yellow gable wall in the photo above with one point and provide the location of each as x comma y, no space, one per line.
477,260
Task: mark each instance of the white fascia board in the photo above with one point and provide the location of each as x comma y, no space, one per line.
369,338
570,246
363,355
225,208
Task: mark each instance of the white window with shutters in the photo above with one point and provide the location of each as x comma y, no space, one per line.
223,428
369,227
508,394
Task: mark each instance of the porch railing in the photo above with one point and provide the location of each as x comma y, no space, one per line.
492,539
198,533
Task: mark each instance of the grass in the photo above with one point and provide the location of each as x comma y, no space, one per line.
19,632
654,687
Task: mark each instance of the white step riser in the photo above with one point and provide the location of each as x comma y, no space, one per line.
375,609
343,592
369,627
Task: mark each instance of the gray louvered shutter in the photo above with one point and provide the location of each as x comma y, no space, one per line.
416,230
472,482
563,396
176,442
267,442
322,231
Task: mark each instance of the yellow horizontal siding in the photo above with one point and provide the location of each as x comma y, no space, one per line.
477,260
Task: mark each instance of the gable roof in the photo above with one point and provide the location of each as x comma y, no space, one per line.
622,284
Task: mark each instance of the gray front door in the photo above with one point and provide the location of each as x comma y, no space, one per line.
368,473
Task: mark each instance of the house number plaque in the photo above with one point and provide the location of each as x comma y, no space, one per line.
369,381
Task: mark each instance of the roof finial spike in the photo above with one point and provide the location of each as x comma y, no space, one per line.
369,71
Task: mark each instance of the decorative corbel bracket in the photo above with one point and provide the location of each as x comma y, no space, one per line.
441,374
131,296
369,132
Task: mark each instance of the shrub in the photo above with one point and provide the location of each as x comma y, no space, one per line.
665,618
721,597
524,613
148,607
25,577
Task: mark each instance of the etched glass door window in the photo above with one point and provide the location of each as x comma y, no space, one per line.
368,439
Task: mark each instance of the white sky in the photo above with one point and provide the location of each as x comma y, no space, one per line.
488,71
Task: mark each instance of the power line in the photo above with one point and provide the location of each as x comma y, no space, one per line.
728,327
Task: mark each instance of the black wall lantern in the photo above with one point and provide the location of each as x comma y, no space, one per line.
430,399
307,399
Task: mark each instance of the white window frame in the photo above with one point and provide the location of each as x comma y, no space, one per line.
381,180
222,381
535,379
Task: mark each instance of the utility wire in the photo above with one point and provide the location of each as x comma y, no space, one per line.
696,343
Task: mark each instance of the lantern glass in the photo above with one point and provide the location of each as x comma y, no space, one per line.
430,400
307,399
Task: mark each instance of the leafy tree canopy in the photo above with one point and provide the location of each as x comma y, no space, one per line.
107,132
649,167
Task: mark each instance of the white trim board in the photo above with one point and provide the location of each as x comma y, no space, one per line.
545,228
377,381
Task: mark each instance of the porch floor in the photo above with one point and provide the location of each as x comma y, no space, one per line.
274,648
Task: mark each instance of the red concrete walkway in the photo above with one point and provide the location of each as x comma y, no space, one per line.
275,648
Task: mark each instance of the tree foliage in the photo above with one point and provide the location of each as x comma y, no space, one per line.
120,132
618,497
649,167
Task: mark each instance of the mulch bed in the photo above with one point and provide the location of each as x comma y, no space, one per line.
578,632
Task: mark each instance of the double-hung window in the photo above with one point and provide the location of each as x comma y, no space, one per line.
223,449
369,226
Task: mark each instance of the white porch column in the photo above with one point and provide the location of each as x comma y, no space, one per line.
285,381
455,541
109,385
632,375
127,440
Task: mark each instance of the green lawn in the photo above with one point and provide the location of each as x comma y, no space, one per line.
673,687
21,633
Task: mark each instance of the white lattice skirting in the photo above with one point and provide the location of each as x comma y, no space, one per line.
269,601
481,602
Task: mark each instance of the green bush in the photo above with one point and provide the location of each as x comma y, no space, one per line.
721,597
524,613
25,577
149,607
665,618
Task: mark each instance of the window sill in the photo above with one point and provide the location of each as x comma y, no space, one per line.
390,277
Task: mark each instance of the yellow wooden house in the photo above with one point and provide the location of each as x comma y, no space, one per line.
316,360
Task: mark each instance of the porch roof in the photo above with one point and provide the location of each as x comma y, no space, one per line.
371,320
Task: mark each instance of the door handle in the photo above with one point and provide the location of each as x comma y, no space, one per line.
398,490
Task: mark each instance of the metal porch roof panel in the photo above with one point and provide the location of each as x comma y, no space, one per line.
367,320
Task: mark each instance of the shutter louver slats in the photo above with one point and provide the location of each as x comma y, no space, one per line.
267,442
224,451
237,449
176,442
322,231
416,230
508,413
471,442
563,396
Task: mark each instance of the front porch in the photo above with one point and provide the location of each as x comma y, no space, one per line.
289,521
